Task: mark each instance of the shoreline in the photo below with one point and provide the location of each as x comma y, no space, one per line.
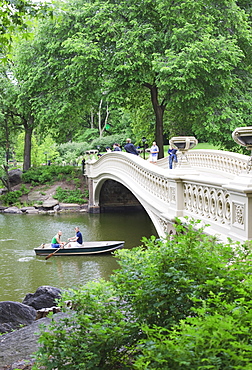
50,210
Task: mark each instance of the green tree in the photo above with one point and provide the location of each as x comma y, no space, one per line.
189,56
188,63
14,18
10,123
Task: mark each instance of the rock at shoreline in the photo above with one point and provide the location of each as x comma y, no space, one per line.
13,315
45,296
13,209
29,210
20,345
50,203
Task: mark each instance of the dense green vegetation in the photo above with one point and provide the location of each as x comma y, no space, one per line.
153,69
47,174
71,176
13,197
71,196
181,303
97,73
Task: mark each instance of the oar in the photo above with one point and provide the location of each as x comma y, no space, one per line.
51,254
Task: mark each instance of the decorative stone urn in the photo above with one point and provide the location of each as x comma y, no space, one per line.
243,137
183,144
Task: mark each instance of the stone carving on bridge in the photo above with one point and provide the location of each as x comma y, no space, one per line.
207,202
167,226
239,214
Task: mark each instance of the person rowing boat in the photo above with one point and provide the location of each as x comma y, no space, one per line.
76,241
56,242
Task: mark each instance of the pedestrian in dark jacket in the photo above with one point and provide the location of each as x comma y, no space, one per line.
130,148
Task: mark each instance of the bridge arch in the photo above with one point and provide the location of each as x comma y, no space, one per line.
113,195
125,168
137,203
213,188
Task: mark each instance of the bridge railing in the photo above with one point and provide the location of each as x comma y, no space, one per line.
216,160
223,200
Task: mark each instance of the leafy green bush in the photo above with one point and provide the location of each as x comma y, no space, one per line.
91,337
24,189
11,197
69,152
70,196
180,303
108,141
218,341
47,174
161,283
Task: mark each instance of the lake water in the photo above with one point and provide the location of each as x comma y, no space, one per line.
23,272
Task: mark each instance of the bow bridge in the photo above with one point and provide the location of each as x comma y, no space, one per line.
209,185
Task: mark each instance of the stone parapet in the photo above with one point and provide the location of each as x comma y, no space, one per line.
214,188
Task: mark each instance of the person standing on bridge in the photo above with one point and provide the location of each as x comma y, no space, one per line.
172,156
130,148
116,148
154,150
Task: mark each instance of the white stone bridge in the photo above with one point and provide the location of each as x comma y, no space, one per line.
212,186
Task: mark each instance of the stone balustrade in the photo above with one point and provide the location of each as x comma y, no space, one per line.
215,160
214,188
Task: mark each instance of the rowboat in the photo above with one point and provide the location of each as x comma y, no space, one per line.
86,248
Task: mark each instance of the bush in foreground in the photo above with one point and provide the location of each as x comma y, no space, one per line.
181,303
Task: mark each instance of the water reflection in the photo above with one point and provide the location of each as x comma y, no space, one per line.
22,272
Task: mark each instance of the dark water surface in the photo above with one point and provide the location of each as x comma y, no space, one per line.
22,272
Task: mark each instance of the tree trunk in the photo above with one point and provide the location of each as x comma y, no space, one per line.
5,180
27,146
101,125
159,114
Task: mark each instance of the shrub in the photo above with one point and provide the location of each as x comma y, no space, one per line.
90,337
180,303
160,283
108,141
45,174
218,341
70,196
11,197
70,152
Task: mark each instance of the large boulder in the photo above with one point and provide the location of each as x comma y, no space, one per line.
13,209
21,344
13,315
44,297
15,176
50,203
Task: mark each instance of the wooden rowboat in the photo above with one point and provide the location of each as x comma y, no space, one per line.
86,248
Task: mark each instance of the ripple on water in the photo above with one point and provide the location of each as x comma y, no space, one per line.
25,259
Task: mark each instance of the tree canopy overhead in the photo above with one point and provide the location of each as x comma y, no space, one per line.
14,17
188,62
189,57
